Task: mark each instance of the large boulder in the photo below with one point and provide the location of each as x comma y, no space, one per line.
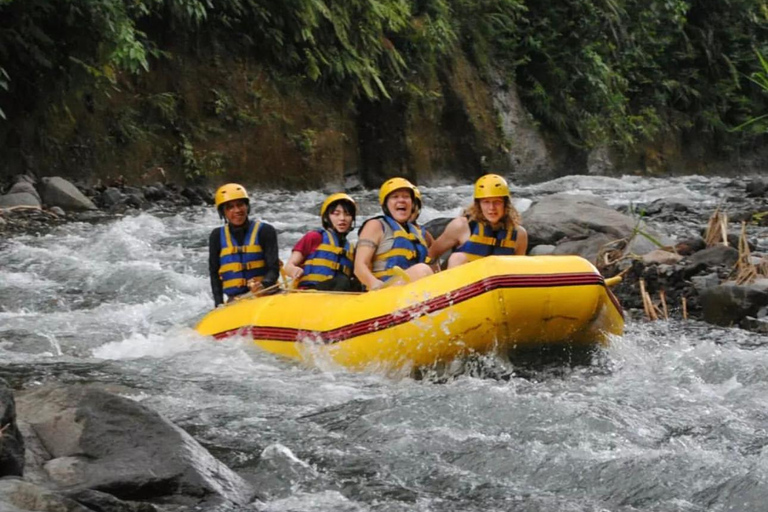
574,216
104,442
11,440
729,303
19,199
56,191
582,224
25,187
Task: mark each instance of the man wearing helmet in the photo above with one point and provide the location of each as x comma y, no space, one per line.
242,254
390,240
491,226
322,259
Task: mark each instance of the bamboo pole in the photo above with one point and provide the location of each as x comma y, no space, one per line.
685,308
663,297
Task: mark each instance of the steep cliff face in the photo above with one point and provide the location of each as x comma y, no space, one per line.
201,120
208,121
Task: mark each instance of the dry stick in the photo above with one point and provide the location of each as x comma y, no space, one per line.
650,309
663,297
685,308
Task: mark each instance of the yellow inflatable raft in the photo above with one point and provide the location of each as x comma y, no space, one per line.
494,303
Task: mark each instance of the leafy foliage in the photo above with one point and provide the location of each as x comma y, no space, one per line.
607,72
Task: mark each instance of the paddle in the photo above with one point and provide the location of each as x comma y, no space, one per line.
398,275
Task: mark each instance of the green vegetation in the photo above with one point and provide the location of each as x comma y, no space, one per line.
613,72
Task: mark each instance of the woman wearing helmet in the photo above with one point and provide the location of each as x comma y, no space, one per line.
390,240
417,204
322,259
491,226
242,254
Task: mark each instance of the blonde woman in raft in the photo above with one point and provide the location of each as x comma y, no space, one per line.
489,227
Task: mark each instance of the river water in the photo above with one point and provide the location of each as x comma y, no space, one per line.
673,416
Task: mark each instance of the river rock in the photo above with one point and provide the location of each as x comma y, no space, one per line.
101,441
588,248
19,199
729,303
57,191
541,250
717,255
574,216
25,187
11,440
20,496
662,257
757,187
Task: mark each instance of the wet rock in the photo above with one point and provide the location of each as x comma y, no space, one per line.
435,227
57,191
717,255
690,246
104,502
758,325
571,217
541,250
757,187
110,197
155,192
729,303
58,211
705,281
588,248
661,256
19,199
670,205
11,441
20,496
101,441
196,195
25,187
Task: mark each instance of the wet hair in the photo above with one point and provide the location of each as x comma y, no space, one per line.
346,205
512,218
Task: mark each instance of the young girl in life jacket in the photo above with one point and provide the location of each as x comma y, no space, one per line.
322,259
489,227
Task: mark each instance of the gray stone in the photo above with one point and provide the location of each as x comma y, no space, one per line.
528,151
58,211
713,256
111,197
101,441
11,440
706,281
24,187
18,495
758,325
588,248
57,191
541,250
600,162
729,303
576,217
19,199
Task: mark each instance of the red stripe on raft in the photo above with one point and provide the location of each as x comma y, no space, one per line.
432,305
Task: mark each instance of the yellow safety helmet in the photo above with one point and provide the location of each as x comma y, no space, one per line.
230,192
491,185
393,184
341,196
